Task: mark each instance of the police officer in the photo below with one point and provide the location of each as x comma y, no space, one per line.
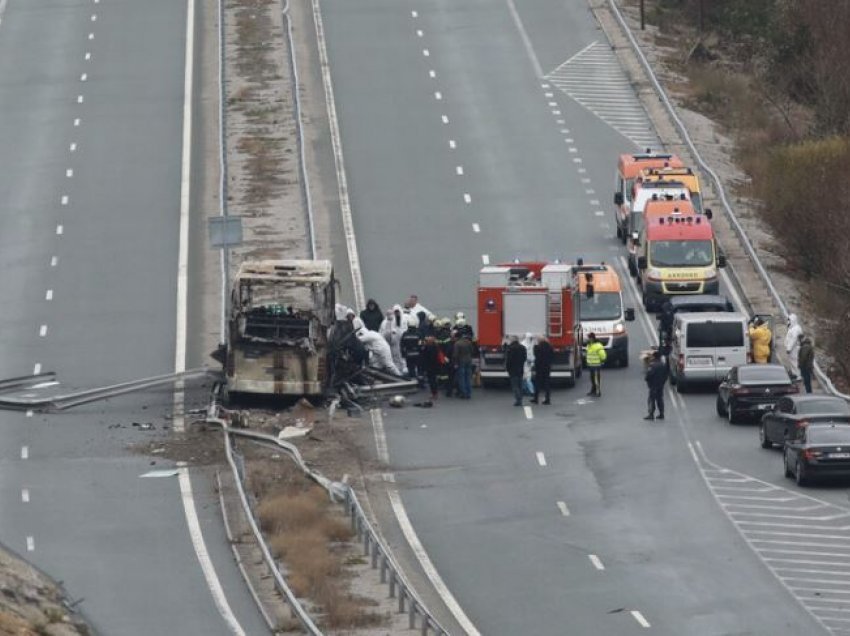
595,356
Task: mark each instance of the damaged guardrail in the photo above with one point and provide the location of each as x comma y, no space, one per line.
821,375
61,402
373,546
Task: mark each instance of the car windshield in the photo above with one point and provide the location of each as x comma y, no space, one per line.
601,306
681,253
825,405
829,435
763,374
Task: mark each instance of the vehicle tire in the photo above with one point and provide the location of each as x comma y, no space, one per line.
799,477
730,413
765,441
721,408
788,472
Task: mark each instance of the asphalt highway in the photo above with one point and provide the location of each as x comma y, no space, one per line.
578,518
91,116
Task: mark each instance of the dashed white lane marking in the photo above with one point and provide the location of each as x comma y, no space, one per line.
596,561
544,85
561,122
553,104
432,74
25,452
476,228
599,213
72,147
30,544
573,149
563,508
64,200
585,180
594,202
80,99
36,368
54,261
426,52
594,78
640,619
445,119
548,95
438,95
94,17
76,122
581,170
485,258
452,144
565,131
459,170
467,198
419,33
30,412
91,36
428,566
87,56
60,230
414,14
42,331
576,159
529,414
48,295
541,458
84,77
203,555
556,112
25,495
69,173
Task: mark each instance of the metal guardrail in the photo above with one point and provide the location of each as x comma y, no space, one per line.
302,158
373,546
736,224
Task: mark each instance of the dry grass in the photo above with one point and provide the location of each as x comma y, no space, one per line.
11,625
305,530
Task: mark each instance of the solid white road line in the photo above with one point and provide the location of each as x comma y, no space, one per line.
201,550
339,163
526,41
428,566
640,619
380,436
541,458
563,508
596,561
529,414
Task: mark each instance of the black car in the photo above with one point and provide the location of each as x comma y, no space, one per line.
752,389
818,450
793,411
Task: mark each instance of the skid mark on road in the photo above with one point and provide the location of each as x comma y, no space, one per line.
804,542
593,78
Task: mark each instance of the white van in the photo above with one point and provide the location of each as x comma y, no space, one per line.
705,346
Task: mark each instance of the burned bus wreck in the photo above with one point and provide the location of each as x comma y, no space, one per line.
280,313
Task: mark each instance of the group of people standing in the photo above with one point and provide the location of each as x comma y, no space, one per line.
798,346
411,341
529,367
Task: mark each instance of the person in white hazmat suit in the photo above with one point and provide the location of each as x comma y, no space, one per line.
392,329
527,372
792,344
380,356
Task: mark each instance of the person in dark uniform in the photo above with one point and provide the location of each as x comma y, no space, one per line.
543,354
515,357
656,378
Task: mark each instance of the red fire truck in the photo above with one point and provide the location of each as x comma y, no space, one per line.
530,297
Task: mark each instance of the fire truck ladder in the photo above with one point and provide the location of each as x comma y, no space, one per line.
556,316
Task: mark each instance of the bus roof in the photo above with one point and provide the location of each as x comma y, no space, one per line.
667,228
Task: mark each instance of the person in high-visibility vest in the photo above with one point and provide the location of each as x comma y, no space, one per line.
595,356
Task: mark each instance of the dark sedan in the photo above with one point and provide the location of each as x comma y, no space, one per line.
752,389
818,450
798,410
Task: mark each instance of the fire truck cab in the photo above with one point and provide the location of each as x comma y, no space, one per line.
542,299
